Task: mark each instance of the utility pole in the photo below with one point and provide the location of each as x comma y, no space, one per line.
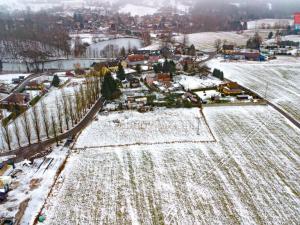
267,87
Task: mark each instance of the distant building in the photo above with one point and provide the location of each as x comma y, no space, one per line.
297,21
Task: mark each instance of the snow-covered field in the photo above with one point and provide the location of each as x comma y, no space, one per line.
281,79
136,10
192,82
250,176
159,126
32,182
269,23
7,78
205,40
295,38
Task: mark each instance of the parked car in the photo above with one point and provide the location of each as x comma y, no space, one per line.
7,221
3,197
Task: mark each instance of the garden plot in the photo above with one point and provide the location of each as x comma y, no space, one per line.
239,180
281,79
159,126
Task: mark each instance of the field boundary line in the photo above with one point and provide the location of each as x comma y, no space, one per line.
144,143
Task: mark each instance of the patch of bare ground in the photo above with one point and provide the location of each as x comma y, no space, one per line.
21,210
34,184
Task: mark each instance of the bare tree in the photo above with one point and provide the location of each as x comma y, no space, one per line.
59,114
35,117
7,136
45,119
64,103
26,127
218,45
71,110
17,133
54,128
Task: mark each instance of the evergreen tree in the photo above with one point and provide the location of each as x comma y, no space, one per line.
138,68
270,35
254,42
192,50
166,66
121,72
109,86
157,68
185,67
55,81
172,67
123,52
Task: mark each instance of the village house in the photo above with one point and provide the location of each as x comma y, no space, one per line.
133,81
135,59
34,85
125,84
228,49
164,78
70,74
230,88
150,78
16,99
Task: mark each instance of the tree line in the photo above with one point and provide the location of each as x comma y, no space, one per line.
41,122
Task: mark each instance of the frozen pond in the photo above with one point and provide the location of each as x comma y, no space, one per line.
101,49
96,50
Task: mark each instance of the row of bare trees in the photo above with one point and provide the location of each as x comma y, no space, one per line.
42,122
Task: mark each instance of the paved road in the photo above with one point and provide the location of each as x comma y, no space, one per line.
38,148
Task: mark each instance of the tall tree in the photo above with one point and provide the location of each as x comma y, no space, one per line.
54,128
138,68
121,72
35,117
17,133
218,45
45,119
26,127
7,136
55,81
59,114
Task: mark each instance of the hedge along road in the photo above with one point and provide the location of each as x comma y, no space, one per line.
37,148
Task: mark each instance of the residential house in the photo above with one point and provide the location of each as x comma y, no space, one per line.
150,78
70,74
35,85
164,78
125,84
135,58
230,88
133,81
228,49
16,99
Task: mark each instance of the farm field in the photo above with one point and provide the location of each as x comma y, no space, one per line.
132,127
281,76
268,23
205,40
249,176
